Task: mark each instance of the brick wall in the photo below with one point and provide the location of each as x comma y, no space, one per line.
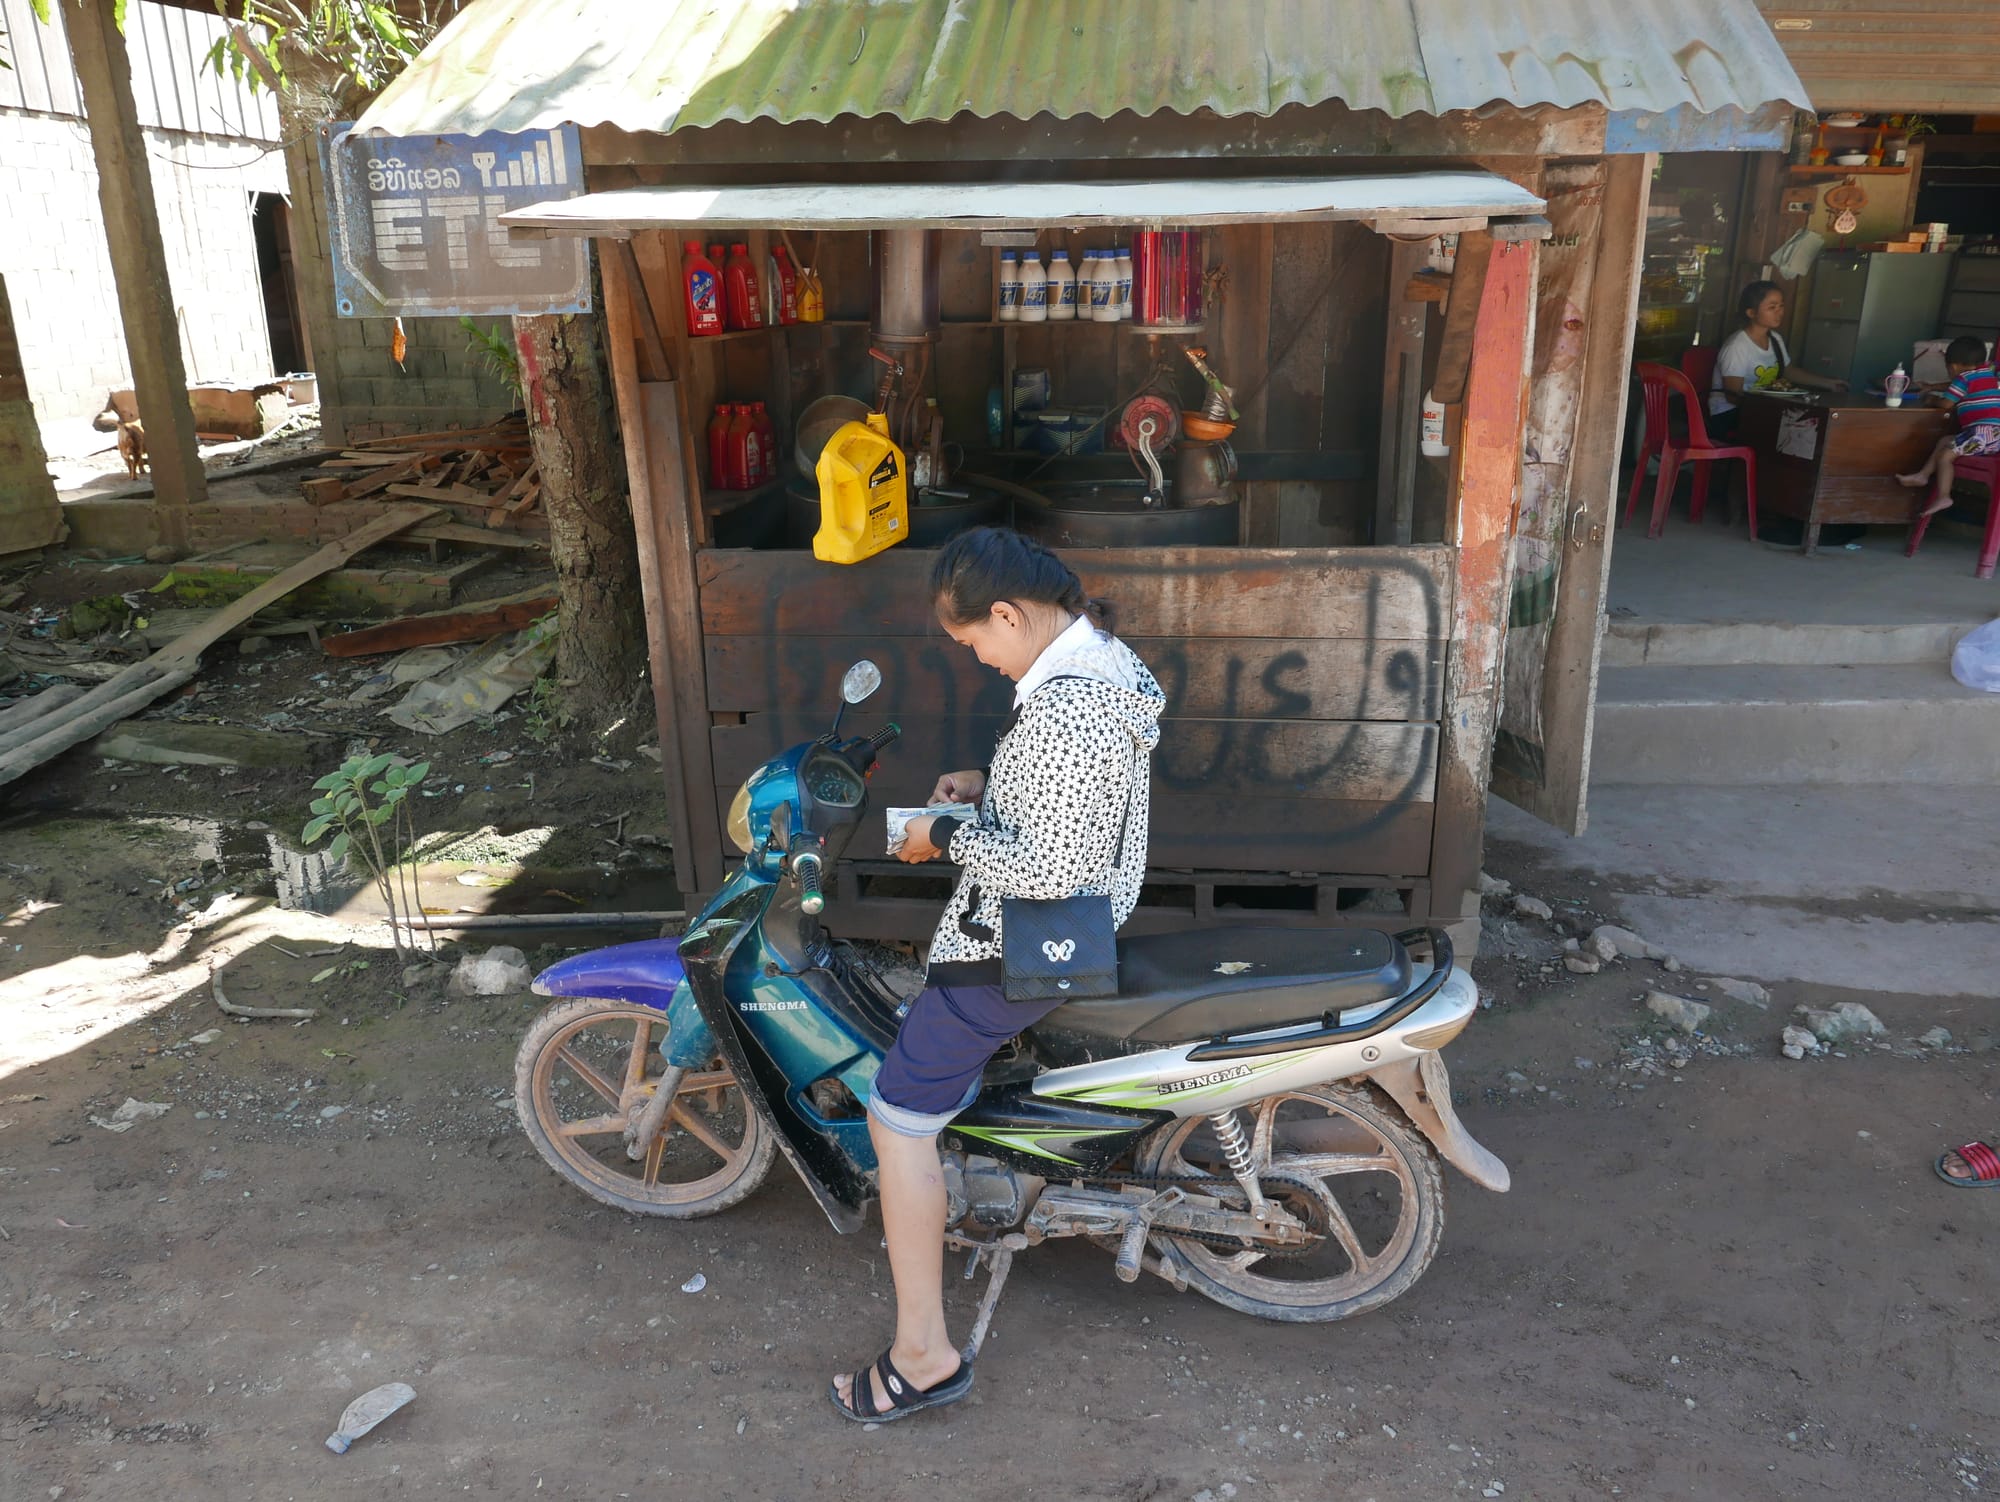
54,258
363,394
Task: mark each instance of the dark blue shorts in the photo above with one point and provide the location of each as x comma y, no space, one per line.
932,1071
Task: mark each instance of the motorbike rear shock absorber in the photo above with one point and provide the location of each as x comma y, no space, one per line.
1242,1160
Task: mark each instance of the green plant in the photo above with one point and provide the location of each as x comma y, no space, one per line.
368,41
545,715
496,351
381,832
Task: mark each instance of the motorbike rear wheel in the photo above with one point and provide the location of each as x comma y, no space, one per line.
587,1069
1345,1161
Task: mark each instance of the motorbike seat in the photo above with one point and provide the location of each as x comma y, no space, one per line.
1173,987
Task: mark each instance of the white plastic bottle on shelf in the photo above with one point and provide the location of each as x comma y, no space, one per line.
1010,286
1123,263
1086,273
1104,288
1061,288
1034,290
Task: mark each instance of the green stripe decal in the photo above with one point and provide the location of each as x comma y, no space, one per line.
1025,1142
1156,1094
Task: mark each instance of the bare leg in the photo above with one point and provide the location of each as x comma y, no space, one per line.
1941,495
1919,478
913,1209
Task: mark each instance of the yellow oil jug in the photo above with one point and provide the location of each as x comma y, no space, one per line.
864,493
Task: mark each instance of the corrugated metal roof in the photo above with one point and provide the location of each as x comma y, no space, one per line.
1449,198
1930,56
667,65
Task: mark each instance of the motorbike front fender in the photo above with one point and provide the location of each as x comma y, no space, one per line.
1422,1087
648,973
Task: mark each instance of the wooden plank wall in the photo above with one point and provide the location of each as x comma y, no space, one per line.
1302,725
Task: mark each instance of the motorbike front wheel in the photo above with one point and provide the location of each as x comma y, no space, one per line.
1344,1161
587,1070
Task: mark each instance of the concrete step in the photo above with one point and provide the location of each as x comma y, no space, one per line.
1639,643
1739,725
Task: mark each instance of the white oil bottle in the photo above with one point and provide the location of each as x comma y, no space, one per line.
1123,262
1010,286
1034,290
1061,288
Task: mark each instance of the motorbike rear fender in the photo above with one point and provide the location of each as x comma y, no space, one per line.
1422,1087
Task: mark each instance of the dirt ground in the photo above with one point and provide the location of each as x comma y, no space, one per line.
1720,1273
1731,1279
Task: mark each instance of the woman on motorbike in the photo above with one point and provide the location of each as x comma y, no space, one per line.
1061,810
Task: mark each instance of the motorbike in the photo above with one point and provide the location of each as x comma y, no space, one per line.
1258,1114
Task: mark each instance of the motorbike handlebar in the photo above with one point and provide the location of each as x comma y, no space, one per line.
884,736
812,900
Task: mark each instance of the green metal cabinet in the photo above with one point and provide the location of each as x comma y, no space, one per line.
1868,309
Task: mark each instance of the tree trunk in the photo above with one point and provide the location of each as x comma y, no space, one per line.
573,420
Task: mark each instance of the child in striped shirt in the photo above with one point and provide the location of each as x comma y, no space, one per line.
1974,399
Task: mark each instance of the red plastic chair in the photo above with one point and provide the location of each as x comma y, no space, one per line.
1659,385
1982,471
1698,365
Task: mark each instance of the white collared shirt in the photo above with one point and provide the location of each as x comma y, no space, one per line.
1080,633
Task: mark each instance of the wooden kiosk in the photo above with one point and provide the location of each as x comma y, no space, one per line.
1333,672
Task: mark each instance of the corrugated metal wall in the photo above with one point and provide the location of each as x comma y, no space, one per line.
1929,56
173,85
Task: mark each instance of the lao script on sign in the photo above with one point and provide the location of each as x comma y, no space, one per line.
415,223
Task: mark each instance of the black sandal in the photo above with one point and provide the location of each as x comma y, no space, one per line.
903,1398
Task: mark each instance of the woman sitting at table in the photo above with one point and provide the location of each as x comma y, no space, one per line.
1755,358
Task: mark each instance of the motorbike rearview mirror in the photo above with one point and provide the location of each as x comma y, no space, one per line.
860,681
856,684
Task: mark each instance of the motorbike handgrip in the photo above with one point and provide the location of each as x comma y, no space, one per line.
884,736
812,900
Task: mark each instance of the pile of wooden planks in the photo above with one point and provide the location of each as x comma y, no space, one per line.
486,475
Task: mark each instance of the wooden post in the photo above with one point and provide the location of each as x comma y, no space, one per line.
1480,524
139,265
1569,678
1402,400
649,411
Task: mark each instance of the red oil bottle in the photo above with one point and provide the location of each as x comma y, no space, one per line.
767,445
742,305
702,284
718,449
745,453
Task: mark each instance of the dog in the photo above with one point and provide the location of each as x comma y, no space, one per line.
132,447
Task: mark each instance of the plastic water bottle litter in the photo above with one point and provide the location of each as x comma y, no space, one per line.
695,1284
368,1410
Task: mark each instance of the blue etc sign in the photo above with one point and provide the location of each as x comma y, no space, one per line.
415,223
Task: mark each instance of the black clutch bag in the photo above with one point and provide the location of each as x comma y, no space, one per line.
1058,948
1061,948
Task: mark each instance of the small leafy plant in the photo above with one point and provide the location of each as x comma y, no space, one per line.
379,830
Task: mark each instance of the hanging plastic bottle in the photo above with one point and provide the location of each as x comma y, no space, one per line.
1124,267
1034,290
1010,286
741,303
1430,428
702,285
1061,290
718,448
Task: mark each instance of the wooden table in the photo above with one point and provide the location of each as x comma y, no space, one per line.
1835,458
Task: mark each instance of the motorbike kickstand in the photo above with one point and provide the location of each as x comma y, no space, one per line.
646,1126
1001,1260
